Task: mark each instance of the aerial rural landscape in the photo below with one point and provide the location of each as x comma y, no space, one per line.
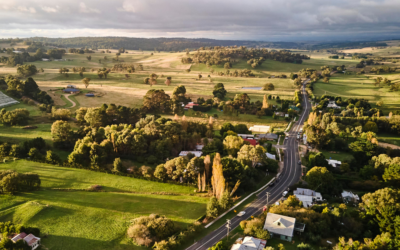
154,138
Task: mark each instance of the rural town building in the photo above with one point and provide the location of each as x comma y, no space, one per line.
333,105
246,136
249,243
260,128
271,156
268,136
307,196
348,196
280,226
71,90
252,141
196,153
29,239
190,105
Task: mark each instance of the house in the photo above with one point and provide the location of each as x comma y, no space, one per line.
269,136
71,90
252,141
90,95
29,239
45,59
332,104
190,105
199,147
279,113
260,128
334,163
349,196
280,226
249,243
246,136
71,86
271,156
307,196
196,153
304,139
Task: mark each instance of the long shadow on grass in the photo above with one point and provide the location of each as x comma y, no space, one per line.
185,207
56,242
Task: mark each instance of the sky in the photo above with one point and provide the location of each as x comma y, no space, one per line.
263,20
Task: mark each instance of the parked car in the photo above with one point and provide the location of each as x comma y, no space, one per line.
284,193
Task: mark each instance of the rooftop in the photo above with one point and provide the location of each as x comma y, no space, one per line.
196,153
250,243
252,141
279,224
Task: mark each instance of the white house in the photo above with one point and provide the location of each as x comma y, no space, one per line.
45,59
249,243
332,104
30,239
196,153
304,139
279,225
260,128
307,196
334,163
349,196
271,156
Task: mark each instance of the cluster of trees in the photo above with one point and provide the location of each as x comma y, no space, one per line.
35,149
11,181
14,117
254,56
160,138
80,51
158,101
26,70
146,230
129,67
29,88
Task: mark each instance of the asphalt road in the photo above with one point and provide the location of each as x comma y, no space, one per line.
290,175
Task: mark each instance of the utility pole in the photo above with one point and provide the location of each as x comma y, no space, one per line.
228,226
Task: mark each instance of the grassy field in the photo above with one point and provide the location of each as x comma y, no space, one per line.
389,138
93,220
360,86
336,155
72,178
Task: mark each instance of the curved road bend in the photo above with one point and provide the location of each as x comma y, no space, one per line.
290,175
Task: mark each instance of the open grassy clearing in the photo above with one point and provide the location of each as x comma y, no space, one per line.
72,178
389,138
359,86
337,155
92,220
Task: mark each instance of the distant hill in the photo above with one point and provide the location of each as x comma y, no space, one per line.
162,44
180,44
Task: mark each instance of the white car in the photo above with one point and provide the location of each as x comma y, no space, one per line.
240,214
286,138
284,193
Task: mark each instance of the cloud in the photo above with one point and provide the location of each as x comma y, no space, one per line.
50,9
222,19
84,9
26,9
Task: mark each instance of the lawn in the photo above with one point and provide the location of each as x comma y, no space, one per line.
389,138
16,134
72,178
96,220
337,155
359,86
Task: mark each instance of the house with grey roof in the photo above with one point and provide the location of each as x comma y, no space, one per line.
280,226
268,136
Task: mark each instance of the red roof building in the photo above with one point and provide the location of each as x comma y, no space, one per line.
252,141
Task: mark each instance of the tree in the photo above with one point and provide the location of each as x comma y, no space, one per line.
219,91
319,178
86,81
212,208
118,165
227,65
265,102
251,156
26,70
62,134
160,172
220,246
371,126
89,58
52,158
232,144
157,101
269,86
326,79
384,206
217,179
